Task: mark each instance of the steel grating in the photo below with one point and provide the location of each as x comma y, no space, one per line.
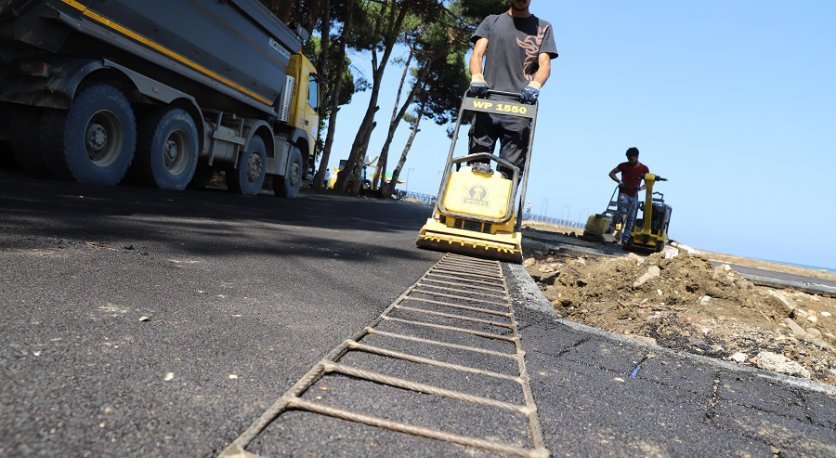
454,289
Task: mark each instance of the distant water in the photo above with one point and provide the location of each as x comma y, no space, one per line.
829,269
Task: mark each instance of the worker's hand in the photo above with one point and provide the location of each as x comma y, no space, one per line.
478,85
530,93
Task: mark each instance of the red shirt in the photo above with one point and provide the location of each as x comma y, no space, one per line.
631,176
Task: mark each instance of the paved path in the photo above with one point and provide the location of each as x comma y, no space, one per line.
253,288
781,279
244,295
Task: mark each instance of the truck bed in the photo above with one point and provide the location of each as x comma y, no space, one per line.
226,53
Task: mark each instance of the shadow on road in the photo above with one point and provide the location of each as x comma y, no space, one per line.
202,222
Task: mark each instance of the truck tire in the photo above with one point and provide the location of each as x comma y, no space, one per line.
248,178
167,150
288,185
94,141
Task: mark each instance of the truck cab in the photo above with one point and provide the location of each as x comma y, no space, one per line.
304,109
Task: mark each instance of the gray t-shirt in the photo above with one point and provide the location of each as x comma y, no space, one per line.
514,45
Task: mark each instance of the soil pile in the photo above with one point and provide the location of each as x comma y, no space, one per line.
684,303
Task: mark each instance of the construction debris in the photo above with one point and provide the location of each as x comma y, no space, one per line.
685,303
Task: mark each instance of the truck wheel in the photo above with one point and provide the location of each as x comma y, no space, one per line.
248,178
167,151
94,141
288,185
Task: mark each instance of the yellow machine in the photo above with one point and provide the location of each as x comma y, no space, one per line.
604,226
650,233
477,211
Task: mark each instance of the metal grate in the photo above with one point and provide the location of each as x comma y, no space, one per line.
457,288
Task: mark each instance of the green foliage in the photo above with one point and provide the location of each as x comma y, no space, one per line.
441,74
334,68
479,9
370,31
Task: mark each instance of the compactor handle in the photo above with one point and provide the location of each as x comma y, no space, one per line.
657,177
515,95
504,93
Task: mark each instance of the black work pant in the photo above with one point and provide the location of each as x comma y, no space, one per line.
512,132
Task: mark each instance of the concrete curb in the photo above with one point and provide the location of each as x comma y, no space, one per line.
809,288
534,300
532,244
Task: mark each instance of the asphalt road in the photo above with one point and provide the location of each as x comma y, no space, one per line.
243,295
781,279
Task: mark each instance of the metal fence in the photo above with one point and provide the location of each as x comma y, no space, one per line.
426,199
553,220
429,200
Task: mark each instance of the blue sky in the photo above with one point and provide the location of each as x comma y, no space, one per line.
734,102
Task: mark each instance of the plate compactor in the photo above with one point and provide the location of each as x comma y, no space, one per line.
477,212
605,226
650,233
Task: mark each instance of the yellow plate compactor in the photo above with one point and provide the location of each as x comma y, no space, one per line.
650,233
477,212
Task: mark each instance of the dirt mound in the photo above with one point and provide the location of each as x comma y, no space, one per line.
685,303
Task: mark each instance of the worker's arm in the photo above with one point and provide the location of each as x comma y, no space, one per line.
477,57
478,85
531,93
612,175
644,182
544,61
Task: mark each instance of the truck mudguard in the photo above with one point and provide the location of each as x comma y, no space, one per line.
68,75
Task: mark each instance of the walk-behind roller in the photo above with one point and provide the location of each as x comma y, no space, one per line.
650,233
477,212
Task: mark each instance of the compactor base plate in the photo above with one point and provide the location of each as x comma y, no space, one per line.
502,246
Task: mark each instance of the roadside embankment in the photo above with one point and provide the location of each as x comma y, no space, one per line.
685,303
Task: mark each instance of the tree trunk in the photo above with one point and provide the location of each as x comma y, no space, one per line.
361,141
310,14
322,70
361,165
324,46
397,116
283,10
389,188
319,179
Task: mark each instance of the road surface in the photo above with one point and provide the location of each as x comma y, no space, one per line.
139,322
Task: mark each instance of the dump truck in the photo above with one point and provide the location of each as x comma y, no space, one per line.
159,91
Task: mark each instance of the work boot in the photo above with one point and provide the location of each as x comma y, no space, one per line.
481,167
